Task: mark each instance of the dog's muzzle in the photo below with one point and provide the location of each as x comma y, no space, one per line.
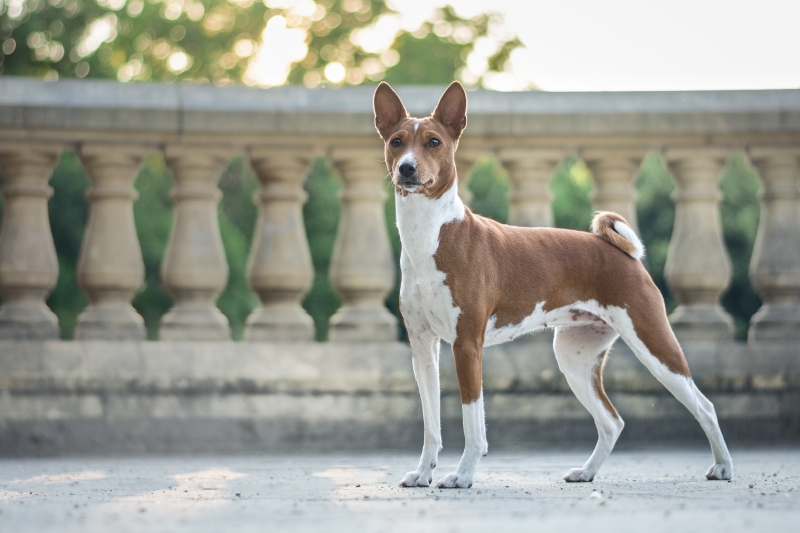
407,176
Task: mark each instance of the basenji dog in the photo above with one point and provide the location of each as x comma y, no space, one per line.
473,282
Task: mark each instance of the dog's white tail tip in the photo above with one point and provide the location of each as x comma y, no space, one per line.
626,231
614,229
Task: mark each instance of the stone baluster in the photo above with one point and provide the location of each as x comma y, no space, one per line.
775,265
362,268
530,172
614,172
110,267
194,270
465,165
698,268
280,269
28,261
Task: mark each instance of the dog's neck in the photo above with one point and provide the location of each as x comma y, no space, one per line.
420,218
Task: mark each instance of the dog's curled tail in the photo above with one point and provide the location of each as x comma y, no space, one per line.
616,230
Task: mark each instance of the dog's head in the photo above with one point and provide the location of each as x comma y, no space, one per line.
420,153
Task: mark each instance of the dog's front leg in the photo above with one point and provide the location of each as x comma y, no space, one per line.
425,358
469,355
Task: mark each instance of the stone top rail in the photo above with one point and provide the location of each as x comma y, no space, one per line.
156,112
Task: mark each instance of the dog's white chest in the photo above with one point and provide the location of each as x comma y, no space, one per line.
426,300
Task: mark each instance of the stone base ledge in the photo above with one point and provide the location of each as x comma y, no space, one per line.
282,422
526,365
141,397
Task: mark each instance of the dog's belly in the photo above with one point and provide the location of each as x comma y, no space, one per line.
574,314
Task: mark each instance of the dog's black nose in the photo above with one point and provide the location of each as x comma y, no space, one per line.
407,169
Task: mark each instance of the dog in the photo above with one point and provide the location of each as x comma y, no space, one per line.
474,282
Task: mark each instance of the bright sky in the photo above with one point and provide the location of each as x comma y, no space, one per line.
645,45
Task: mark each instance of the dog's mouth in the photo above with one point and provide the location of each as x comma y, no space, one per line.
410,184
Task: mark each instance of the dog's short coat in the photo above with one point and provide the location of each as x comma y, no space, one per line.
473,282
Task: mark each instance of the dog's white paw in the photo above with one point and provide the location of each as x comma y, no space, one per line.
454,481
417,479
720,471
578,475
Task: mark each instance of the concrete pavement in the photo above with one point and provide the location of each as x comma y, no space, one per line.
646,491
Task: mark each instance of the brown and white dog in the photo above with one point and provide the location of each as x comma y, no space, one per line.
474,282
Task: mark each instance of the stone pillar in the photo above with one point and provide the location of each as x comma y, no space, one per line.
280,269
614,172
110,267
530,172
195,270
698,268
775,265
362,268
28,261
465,164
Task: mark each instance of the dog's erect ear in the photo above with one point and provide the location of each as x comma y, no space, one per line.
389,109
452,109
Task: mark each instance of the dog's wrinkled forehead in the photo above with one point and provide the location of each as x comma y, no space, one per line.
415,133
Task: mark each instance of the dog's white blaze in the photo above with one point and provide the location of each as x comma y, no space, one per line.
416,127
426,301
628,233
407,157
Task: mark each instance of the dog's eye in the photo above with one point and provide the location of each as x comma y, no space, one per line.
433,143
396,142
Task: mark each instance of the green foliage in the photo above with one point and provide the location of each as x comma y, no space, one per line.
321,215
655,214
223,41
489,187
237,300
571,186
740,212
153,215
237,218
67,211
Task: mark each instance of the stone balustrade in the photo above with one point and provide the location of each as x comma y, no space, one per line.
198,129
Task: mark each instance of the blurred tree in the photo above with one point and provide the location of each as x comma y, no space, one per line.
321,215
152,212
740,211
489,186
67,211
266,43
655,215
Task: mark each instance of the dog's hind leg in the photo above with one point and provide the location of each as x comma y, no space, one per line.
581,352
663,357
425,358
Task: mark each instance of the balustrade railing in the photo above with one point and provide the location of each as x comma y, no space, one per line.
282,130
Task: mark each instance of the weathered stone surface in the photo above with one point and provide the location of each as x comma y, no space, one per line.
28,261
110,267
67,397
173,110
279,268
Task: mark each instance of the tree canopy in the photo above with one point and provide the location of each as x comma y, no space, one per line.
263,43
